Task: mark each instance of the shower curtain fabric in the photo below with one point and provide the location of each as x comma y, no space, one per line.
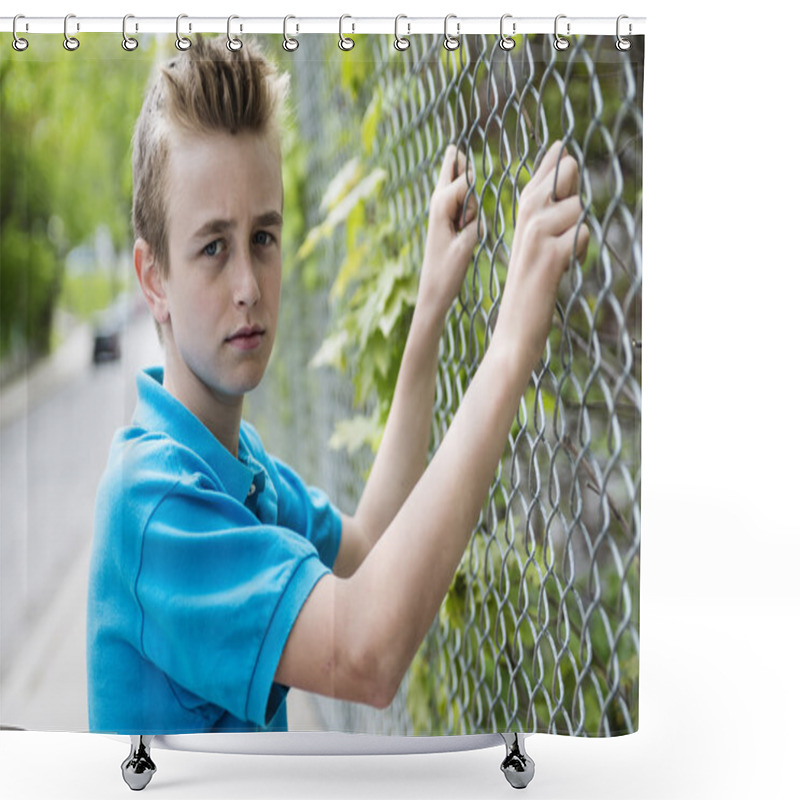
539,629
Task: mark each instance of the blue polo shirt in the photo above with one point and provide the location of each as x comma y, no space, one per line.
201,562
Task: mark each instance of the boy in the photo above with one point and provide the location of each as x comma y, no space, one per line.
218,579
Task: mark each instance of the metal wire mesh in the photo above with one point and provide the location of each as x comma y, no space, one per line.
539,631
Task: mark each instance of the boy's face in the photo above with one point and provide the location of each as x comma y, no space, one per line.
222,294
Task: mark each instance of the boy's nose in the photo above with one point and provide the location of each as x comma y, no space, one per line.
245,284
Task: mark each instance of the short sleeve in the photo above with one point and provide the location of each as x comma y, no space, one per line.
219,596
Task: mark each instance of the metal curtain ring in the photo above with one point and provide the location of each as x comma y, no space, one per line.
181,42
345,43
559,42
19,44
128,43
70,42
289,44
233,43
451,42
506,42
623,44
400,42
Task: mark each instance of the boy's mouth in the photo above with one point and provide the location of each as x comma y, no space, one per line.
246,338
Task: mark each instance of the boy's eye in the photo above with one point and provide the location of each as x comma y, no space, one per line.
262,237
213,248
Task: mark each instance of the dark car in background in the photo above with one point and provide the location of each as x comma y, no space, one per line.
108,325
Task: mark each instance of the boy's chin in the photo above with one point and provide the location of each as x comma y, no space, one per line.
230,386
243,384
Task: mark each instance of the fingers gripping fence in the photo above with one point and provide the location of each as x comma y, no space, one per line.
539,631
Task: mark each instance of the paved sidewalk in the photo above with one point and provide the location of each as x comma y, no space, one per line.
25,392
46,687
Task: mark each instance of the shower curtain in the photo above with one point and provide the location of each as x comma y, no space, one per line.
539,629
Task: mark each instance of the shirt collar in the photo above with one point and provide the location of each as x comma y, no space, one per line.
158,410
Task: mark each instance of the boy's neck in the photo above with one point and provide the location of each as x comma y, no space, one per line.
222,417
225,427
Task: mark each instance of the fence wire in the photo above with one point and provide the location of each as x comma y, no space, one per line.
539,631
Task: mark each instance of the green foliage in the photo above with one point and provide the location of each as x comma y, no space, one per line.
374,292
562,660
85,294
65,168
294,167
28,291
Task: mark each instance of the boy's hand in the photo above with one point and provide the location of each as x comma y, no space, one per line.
546,232
449,246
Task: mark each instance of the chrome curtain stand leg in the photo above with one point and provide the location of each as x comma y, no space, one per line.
138,768
517,766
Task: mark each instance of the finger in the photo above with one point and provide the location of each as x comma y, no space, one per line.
470,210
565,178
453,196
559,183
472,206
573,241
548,163
537,196
461,164
467,238
582,243
558,217
446,172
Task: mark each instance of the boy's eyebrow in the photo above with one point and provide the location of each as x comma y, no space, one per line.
268,220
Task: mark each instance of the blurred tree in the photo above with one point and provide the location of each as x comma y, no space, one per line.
66,121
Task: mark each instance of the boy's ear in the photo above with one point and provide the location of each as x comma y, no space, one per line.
151,280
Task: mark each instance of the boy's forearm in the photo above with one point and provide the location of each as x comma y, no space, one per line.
425,541
403,452
402,456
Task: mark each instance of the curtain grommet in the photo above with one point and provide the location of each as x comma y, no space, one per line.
345,42
506,42
623,44
559,42
18,43
290,44
233,44
71,43
182,42
451,42
128,42
401,43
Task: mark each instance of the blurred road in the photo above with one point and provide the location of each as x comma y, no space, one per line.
57,424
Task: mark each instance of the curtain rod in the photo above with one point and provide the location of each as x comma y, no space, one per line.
404,25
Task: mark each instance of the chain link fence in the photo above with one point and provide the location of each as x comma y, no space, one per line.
539,631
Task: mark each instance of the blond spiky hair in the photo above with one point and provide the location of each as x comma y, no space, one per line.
205,89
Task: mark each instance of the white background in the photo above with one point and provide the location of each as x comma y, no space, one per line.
721,437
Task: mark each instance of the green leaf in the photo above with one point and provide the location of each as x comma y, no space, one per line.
362,190
357,432
342,207
378,354
372,117
403,296
341,183
331,351
349,270
454,608
314,237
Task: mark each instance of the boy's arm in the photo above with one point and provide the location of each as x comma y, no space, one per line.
402,455
354,638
